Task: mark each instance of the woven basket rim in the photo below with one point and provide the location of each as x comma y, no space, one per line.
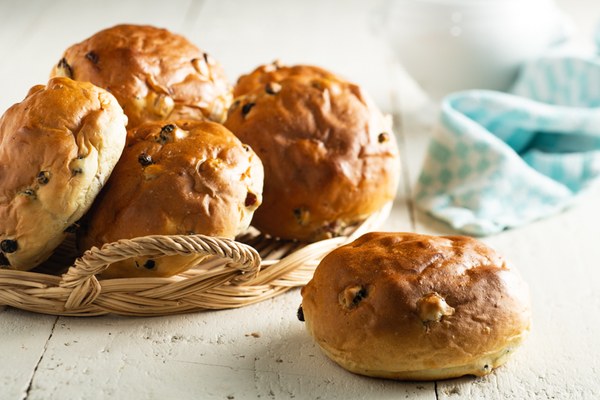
233,274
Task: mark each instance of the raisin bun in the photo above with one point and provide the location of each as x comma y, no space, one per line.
57,149
329,154
155,74
416,307
175,178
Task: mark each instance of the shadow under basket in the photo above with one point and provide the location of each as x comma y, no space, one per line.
235,273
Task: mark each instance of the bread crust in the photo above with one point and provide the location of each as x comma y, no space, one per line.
154,74
330,156
418,307
181,177
57,149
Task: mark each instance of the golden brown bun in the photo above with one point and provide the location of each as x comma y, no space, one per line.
155,74
416,307
175,178
57,148
330,156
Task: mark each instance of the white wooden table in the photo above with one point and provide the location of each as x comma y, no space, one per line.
263,351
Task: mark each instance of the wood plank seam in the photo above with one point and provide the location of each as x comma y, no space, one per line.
37,364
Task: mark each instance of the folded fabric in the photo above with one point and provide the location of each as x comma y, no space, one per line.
502,160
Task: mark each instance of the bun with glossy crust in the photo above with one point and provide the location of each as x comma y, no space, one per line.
175,178
154,74
330,156
416,307
57,149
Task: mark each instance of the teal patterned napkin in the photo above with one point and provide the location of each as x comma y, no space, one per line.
502,160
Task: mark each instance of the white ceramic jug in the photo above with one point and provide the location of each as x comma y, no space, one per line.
451,45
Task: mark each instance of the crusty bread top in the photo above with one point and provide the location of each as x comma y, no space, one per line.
154,74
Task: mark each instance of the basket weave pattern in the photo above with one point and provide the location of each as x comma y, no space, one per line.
230,274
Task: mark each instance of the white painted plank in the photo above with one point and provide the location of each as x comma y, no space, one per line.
19,20
208,355
65,23
24,336
330,34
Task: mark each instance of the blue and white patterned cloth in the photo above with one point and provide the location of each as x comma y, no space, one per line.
502,160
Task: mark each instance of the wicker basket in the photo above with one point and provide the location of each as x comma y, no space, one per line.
235,274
